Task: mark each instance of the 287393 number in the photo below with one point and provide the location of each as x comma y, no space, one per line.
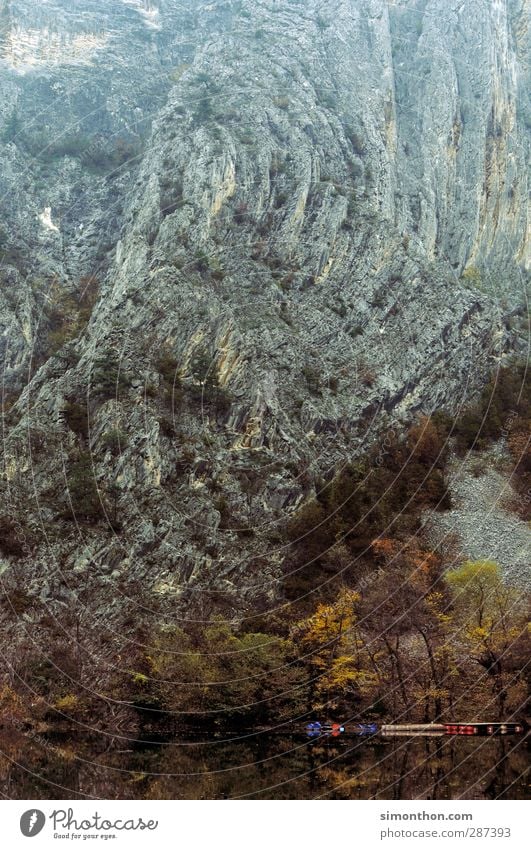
488,832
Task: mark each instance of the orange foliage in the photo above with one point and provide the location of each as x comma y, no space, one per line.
385,548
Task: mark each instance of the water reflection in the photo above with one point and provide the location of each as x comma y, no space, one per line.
267,767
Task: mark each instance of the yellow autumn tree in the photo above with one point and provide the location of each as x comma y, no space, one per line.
492,623
329,646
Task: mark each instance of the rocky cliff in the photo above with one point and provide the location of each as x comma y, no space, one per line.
239,240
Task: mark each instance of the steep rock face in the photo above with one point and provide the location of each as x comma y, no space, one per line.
297,193
79,86
463,127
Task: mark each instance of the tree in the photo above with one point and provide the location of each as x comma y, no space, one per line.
12,127
406,630
219,677
76,417
109,379
82,489
329,646
206,387
491,619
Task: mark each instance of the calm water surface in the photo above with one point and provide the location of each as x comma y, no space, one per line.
264,767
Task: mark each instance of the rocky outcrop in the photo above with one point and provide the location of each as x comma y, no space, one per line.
306,223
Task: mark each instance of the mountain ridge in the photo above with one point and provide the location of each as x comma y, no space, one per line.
298,243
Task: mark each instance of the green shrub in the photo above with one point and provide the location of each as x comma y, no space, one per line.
67,313
204,110
313,379
12,127
167,426
357,142
82,489
18,600
108,377
168,368
68,704
76,417
12,541
115,440
206,388
256,676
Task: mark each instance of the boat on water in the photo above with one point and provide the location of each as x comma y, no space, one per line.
331,729
426,730
364,729
485,729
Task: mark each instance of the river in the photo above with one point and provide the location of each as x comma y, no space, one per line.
263,766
